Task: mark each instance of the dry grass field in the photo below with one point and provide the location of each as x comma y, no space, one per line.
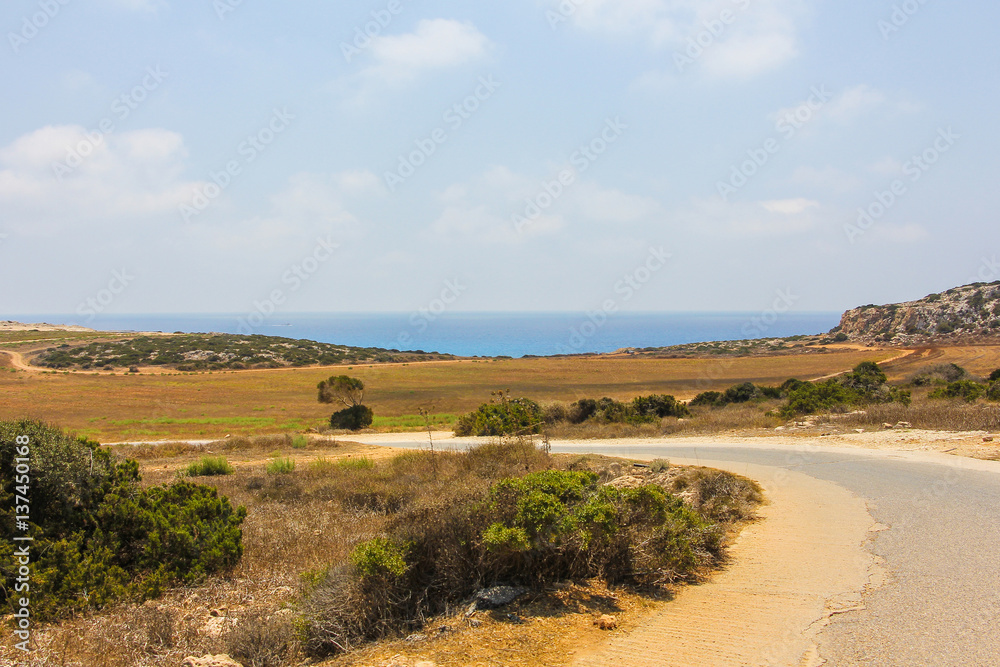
147,406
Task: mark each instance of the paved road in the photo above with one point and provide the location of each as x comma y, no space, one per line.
941,602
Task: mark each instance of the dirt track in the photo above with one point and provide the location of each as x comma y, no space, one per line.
790,572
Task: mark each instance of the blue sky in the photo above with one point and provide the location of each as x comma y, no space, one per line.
227,156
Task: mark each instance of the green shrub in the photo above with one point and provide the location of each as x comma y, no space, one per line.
865,385
379,558
542,527
300,441
99,536
707,398
967,390
208,466
502,416
659,406
353,418
280,466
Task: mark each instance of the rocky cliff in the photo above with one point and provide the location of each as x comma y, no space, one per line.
968,312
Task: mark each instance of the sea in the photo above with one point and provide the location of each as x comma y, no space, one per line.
476,334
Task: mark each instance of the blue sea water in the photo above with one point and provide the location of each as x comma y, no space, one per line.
477,334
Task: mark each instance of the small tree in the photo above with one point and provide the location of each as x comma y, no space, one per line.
342,389
349,391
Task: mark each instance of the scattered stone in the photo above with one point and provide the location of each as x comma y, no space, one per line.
416,637
903,425
779,428
216,612
887,426
475,622
221,660
498,596
987,438
859,430
444,629
215,626
606,622
514,618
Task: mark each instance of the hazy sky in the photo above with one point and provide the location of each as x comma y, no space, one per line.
645,155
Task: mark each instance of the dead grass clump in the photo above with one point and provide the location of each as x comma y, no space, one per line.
159,623
720,496
929,414
259,640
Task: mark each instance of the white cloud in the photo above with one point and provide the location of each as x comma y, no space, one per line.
753,219
503,206
117,177
435,44
756,35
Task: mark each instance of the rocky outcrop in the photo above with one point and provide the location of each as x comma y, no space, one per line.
972,311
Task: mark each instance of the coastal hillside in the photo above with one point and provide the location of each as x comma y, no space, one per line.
216,351
967,313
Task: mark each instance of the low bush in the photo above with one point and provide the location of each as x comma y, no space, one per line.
353,418
98,536
865,385
502,416
939,374
529,530
967,390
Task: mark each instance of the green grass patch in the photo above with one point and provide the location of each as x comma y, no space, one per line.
415,421
282,466
362,463
209,466
249,422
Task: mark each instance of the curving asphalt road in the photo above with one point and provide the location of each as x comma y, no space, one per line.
940,604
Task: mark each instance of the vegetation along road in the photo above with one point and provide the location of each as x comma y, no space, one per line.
934,597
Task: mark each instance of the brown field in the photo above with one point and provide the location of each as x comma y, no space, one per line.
148,406
208,405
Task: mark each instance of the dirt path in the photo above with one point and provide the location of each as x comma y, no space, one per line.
17,361
790,573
